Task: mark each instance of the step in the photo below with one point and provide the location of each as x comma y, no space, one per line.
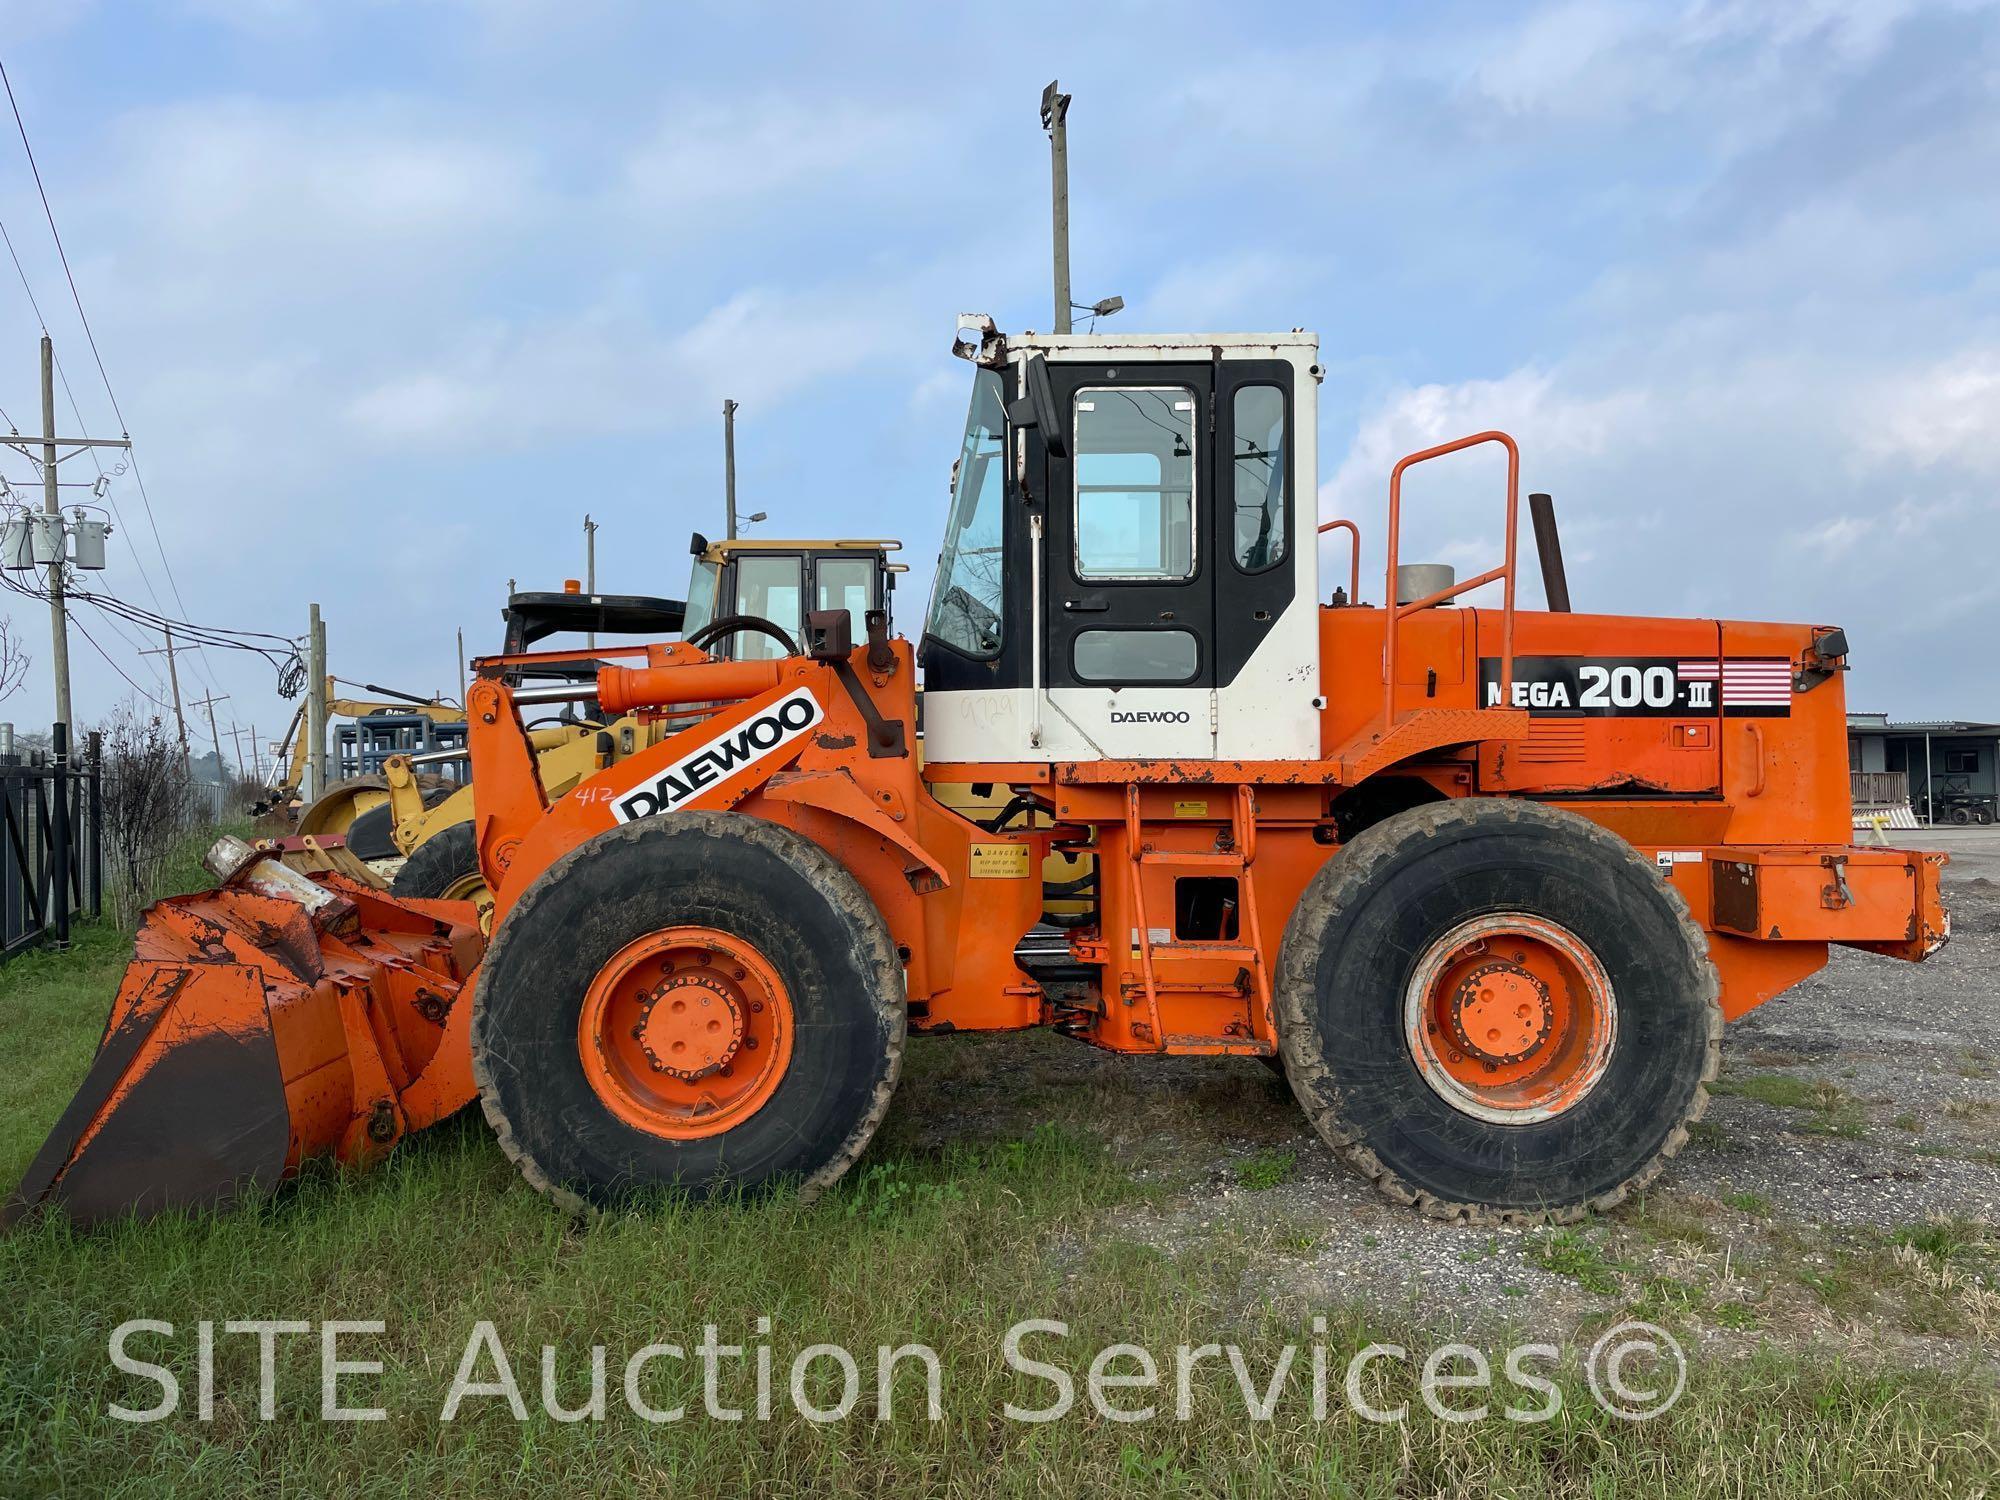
1231,1046
1180,859
1241,953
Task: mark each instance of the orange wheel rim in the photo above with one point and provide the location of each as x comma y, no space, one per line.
1510,1018
686,1032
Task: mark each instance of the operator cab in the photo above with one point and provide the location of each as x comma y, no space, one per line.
769,581
1129,570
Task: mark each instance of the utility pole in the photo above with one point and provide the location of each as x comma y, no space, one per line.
590,569
315,709
174,680
729,466
236,739
216,739
52,506
51,536
463,681
256,756
1055,114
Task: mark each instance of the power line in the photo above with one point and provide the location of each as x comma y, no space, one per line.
137,561
215,635
61,254
18,271
114,665
200,638
138,477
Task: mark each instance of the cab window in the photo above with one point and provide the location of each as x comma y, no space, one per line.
701,596
845,583
1134,465
966,598
1258,471
768,587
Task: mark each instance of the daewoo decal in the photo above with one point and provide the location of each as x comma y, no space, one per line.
743,745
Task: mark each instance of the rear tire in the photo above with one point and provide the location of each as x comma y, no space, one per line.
1364,976
731,913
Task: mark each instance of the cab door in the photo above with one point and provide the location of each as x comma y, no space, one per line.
1129,615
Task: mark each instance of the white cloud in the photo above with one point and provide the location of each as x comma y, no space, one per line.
1581,59
515,386
1553,424
755,149
356,180
1254,289
1947,414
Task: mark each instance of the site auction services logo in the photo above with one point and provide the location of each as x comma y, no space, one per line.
1635,1371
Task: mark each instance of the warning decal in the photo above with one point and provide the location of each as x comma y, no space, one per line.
1007,861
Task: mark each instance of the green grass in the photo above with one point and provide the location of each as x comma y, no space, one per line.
1265,1170
1826,1108
1945,1239
1778,1089
1573,1253
1750,1203
1736,1315
1027,1214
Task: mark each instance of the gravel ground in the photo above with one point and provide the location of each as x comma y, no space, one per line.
1860,1109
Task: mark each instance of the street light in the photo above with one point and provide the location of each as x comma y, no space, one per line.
1103,309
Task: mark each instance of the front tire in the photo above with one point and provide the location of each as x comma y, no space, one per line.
700,1001
1497,1010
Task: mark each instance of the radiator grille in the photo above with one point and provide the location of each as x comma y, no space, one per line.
1553,742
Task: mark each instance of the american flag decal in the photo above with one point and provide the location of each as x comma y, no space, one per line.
1751,686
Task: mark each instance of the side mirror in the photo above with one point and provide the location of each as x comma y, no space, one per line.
697,544
829,634
1037,408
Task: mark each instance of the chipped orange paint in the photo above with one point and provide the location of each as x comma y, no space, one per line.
685,1033
1511,1017
250,1039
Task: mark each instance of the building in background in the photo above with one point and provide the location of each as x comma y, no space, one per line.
1943,770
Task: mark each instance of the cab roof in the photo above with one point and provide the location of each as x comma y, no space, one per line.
718,551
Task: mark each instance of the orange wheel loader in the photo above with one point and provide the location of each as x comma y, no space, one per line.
1485,881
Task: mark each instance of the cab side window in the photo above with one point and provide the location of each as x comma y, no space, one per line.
1259,468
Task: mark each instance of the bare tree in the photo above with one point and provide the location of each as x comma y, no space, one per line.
149,807
14,660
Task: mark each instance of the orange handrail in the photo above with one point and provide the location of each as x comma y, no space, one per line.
1354,560
1505,572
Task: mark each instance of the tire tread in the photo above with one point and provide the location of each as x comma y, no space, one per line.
1353,870
840,887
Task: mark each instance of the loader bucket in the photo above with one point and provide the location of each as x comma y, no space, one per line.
277,1018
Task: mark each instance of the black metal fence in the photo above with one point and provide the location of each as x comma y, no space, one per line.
51,842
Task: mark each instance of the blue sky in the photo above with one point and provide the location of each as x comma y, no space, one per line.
392,293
